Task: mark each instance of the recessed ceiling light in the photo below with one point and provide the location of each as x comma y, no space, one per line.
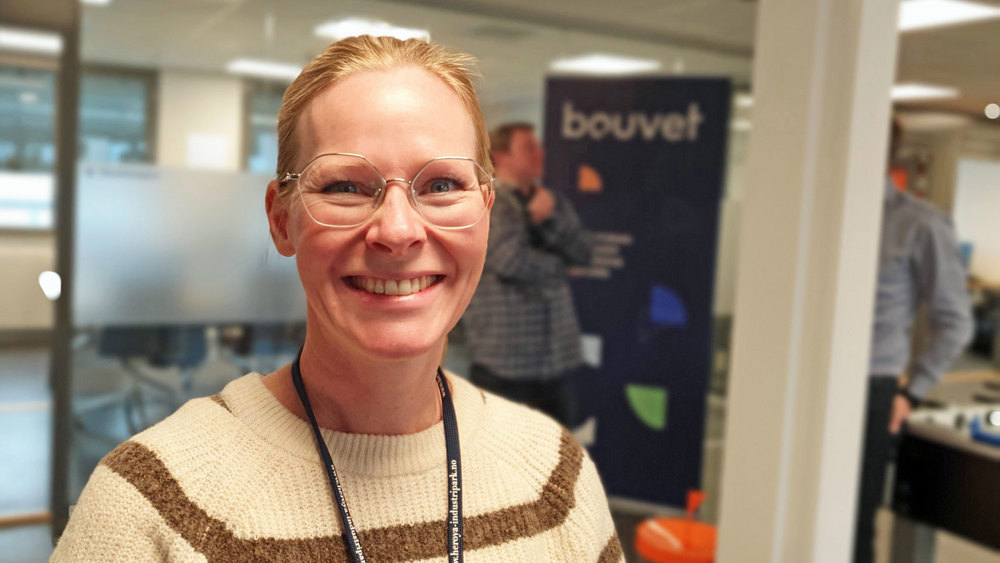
992,111
932,121
96,2
360,26
914,91
16,39
923,14
602,63
265,69
744,100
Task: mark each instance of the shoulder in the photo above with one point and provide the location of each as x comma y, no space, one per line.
533,479
135,501
923,213
198,426
187,446
522,429
521,444
193,448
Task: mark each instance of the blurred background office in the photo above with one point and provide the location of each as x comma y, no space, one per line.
136,137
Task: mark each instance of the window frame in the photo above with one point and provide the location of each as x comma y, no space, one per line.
148,75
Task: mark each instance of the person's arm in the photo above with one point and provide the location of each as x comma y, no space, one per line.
941,284
510,254
563,233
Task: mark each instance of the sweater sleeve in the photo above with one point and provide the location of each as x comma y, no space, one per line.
112,521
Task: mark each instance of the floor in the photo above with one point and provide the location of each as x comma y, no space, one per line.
25,544
25,417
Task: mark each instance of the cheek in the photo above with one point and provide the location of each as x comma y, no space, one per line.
474,256
317,252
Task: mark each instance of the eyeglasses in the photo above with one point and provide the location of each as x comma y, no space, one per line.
344,190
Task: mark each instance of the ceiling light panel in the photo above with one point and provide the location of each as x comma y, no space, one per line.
360,26
264,69
30,41
925,14
603,63
915,91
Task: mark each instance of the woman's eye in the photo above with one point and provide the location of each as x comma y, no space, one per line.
443,186
340,188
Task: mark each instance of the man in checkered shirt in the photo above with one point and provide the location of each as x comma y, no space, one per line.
521,328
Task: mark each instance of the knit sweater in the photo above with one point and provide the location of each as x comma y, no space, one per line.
237,477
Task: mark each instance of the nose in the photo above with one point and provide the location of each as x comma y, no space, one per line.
396,227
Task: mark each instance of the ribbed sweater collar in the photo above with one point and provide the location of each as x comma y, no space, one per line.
381,456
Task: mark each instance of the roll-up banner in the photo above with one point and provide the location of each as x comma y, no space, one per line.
643,162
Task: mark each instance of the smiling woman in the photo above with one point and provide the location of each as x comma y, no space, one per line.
363,448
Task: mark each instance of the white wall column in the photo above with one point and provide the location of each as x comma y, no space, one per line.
807,261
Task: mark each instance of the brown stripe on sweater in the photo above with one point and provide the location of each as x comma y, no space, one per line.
612,552
549,510
220,401
211,537
207,535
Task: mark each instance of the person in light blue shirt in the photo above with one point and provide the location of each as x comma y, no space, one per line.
920,263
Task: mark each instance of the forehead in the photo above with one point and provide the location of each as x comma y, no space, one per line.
394,118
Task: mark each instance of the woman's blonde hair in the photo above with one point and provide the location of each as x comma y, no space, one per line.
367,53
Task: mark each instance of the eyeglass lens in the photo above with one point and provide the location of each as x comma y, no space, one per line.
342,190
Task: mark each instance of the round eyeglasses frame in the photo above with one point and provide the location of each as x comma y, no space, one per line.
383,188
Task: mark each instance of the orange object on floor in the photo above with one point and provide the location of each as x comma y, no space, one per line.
677,540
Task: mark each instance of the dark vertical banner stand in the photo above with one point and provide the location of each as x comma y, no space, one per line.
643,160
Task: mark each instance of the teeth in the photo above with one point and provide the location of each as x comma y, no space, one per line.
394,287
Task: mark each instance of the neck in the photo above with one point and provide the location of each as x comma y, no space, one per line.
359,395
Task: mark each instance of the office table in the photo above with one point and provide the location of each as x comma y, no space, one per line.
946,480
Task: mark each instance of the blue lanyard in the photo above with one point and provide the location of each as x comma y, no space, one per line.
454,470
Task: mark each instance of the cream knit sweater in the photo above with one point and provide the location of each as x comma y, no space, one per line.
237,477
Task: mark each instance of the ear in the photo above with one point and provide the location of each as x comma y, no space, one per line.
277,218
493,198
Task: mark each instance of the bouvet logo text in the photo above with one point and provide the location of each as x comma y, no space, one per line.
673,127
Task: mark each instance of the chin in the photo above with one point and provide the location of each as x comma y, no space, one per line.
401,344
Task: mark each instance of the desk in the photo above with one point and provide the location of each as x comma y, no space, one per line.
950,482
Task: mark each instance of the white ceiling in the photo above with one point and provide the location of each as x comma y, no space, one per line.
966,57
514,39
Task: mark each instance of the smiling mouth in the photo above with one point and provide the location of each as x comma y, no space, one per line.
393,287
